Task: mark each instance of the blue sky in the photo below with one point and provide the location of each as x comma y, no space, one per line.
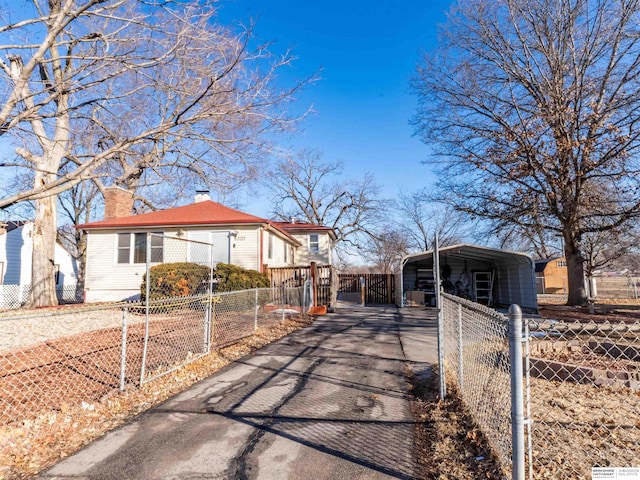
367,51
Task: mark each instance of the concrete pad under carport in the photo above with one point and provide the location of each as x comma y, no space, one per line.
329,401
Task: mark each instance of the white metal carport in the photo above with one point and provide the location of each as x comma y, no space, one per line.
511,276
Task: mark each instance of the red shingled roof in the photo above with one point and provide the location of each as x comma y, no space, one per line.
207,213
201,213
303,227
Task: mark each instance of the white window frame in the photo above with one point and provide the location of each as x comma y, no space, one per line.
132,248
270,246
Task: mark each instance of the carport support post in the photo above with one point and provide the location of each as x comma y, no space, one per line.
436,276
460,360
517,403
123,350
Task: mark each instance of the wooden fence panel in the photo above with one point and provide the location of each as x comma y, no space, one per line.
378,287
296,276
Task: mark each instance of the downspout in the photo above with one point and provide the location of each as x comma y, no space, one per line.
260,242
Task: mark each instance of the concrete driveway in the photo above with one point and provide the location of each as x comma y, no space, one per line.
327,402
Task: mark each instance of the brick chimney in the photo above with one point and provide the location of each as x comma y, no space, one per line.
117,203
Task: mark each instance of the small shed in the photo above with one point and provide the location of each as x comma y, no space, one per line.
490,276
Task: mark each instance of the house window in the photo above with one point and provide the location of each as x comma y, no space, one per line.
57,273
132,248
314,243
286,248
124,247
270,247
562,263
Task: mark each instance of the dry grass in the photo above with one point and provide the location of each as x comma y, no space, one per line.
449,445
578,426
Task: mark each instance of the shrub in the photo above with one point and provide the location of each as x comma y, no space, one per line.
232,278
175,280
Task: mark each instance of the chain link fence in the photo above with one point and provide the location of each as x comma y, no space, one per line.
580,404
477,364
50,360
16,296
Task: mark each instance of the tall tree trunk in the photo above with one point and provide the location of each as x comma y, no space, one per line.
575,270
81,259
43,286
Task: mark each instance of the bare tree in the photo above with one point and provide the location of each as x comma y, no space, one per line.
424,217
306,188
536,241
533,107
386,249
603,249
160,86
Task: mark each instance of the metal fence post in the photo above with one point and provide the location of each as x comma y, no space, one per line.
206,347
146,301
517,403
208,317
255,318
436,275
123,350
460,360
283,299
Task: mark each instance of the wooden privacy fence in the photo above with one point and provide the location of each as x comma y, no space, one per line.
296,276
378,287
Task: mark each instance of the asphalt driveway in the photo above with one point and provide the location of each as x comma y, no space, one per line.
327,402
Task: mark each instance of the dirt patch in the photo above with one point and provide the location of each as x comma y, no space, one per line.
603,313
448,443
30,446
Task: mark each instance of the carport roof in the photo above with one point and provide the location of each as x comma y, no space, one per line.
473,252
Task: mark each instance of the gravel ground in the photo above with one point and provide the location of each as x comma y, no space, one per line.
39,325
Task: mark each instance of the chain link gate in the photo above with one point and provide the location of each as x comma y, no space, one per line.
178,302
584,397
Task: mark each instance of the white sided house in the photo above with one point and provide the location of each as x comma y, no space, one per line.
16,250
316,242
116,246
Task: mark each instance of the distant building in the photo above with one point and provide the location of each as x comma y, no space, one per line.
551,276
16,252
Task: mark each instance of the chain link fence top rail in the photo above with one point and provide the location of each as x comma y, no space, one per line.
584,396
477,364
